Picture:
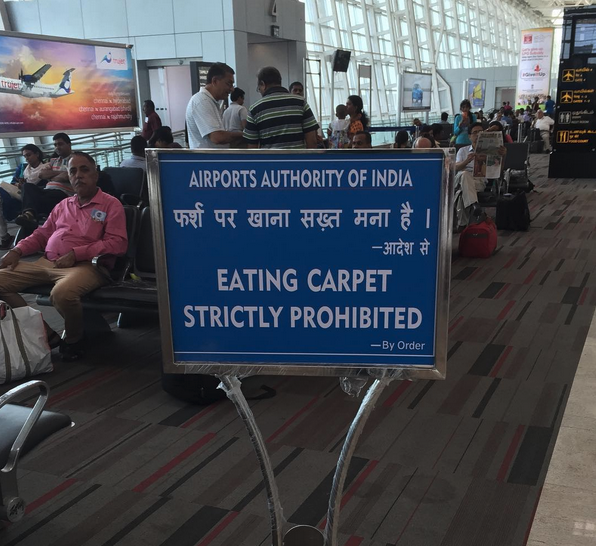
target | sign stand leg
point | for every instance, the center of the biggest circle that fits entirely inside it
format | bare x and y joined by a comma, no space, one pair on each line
343,463
232,387
304,535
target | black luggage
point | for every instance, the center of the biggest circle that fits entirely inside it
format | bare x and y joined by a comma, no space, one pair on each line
518,181
200,389
513,213
537,147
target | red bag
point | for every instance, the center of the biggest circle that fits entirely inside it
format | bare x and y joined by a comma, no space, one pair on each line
478,240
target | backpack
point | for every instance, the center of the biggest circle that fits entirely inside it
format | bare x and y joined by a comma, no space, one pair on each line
201,389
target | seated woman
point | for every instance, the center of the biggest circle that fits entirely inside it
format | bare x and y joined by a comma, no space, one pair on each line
402,140
26,173
498,126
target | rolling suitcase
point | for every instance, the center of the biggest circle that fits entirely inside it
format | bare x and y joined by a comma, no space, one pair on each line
513,213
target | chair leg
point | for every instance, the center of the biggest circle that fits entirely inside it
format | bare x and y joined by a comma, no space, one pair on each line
12,507
95,322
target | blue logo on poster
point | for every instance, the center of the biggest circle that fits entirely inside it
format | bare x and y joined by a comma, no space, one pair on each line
303,258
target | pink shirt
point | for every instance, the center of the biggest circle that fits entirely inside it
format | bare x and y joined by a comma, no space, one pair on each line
97,227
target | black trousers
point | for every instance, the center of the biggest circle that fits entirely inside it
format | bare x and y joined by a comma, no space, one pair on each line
39,200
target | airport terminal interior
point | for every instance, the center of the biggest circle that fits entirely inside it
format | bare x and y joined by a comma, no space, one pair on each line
464,131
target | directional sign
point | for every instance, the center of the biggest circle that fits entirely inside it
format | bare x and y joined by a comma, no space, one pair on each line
568,75
566,97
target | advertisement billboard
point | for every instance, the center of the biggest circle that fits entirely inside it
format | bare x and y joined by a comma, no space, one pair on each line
476,92
416,92
305,263
535,59
51,84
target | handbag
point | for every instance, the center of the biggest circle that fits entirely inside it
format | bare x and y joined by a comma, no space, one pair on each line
24,349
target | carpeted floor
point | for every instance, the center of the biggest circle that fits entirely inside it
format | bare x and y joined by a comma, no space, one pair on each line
452,463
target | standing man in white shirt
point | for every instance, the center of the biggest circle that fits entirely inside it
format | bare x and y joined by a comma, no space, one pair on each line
235,116
203,116
544,124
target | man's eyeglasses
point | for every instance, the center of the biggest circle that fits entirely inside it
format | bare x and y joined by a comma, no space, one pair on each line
476,132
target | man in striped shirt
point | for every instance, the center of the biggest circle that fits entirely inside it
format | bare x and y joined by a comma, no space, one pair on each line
279,120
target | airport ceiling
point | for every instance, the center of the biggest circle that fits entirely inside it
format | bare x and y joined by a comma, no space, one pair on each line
553,9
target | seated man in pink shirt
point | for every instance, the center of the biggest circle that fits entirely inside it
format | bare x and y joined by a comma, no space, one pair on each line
79,228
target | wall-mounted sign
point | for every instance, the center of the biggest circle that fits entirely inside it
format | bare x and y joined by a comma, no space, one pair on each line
56,84
535,58
306,263
416,92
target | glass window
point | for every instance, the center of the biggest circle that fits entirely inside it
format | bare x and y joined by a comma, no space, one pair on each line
466,33
422,34
404,28
329,36
418,12
443,61
355,12
386,47
435,17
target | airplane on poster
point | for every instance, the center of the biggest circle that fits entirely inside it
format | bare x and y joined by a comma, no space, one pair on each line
30,85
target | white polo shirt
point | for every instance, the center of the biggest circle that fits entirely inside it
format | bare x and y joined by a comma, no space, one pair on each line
203,117
234,116
544,124
462,155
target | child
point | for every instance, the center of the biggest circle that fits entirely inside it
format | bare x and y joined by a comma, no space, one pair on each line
338,129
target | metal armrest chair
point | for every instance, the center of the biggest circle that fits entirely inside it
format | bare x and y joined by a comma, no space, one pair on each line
21,429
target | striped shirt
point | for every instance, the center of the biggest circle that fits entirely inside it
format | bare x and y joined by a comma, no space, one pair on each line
279,120
60,164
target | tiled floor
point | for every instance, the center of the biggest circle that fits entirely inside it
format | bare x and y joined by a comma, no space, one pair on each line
566,514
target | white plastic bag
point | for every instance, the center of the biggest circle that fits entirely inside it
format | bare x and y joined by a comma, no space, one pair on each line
24,349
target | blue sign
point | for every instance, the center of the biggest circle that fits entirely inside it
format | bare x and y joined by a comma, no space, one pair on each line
327,259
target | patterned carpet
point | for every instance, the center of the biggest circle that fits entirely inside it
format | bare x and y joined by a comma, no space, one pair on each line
452,463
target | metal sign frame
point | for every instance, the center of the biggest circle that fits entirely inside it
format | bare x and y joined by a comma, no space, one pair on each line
307,369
